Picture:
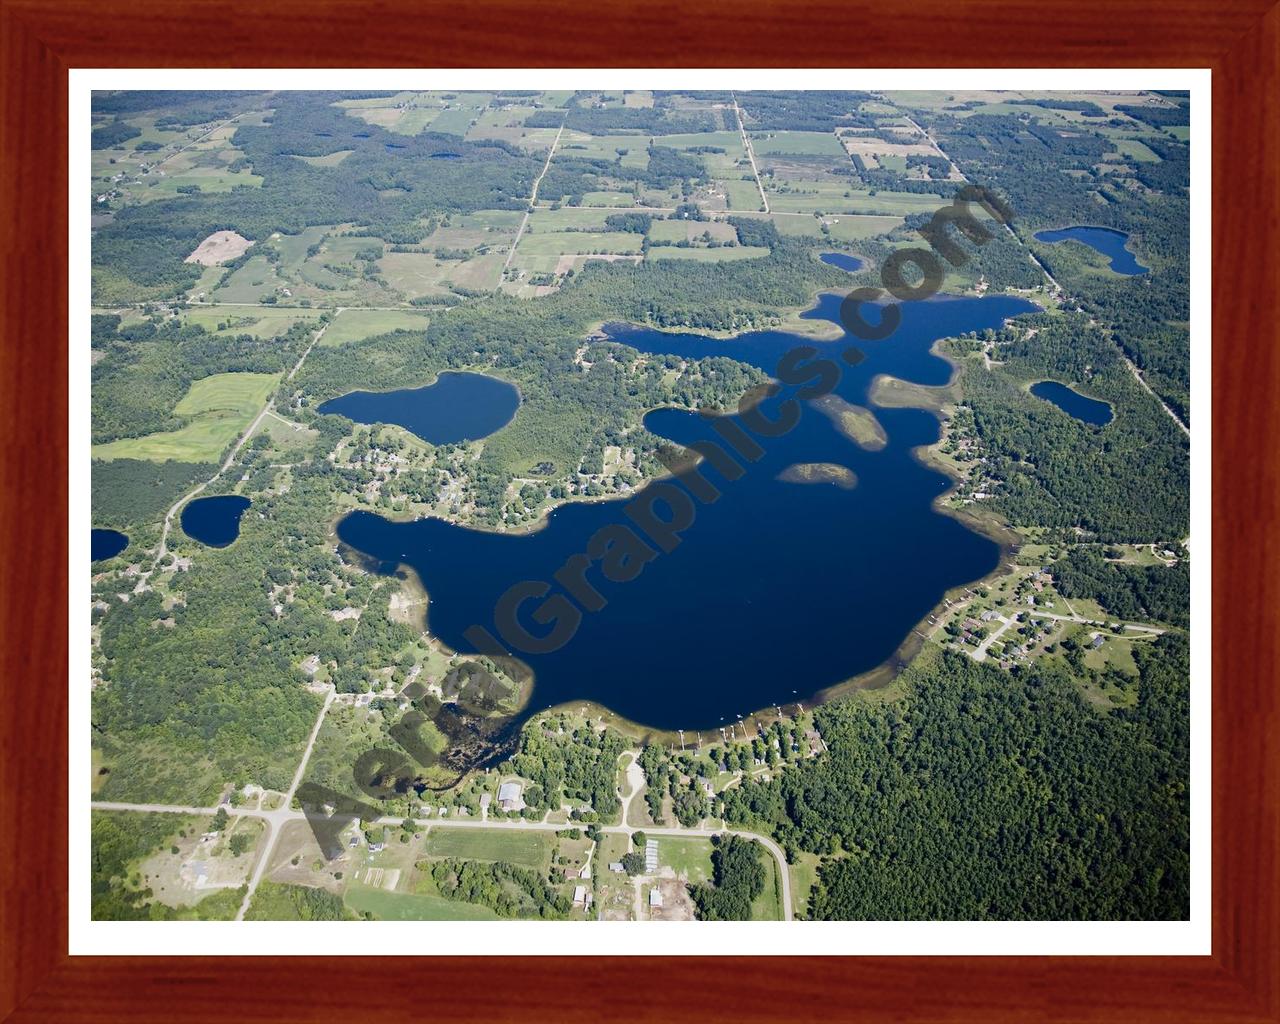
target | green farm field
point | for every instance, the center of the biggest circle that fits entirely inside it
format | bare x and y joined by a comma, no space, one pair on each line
263,322
798,144
218,409
357,324
555,243
666,231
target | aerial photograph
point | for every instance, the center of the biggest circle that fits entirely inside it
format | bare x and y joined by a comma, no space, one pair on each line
639,506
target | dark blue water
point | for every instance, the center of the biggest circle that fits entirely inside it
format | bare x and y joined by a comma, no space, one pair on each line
1073,403
445,156
774,592
1104,240
457,407
214,521
107,544
842,260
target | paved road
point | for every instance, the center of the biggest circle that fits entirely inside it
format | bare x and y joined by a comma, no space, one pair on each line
981,653
277,818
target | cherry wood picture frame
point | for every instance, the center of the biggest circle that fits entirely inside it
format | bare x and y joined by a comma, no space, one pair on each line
41,39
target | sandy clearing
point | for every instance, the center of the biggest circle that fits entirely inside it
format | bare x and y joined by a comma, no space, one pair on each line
218,248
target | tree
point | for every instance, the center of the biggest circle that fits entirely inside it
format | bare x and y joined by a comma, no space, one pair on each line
239,843
633,863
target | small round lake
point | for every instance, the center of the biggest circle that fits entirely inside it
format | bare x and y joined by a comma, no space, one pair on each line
1090,410
842,260
107,544
457,407
1108,242
214,521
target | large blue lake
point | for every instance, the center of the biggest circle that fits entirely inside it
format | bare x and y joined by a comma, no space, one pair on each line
777,590
1106,241
457,407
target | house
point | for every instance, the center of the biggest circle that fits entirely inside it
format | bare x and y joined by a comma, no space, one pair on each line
616,867
579,895
585,872
1097,640
655,898
509,796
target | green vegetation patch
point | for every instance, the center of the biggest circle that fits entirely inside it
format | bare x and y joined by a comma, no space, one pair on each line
219,409
797,144
358,324
273,901
410,906
718,255
526,847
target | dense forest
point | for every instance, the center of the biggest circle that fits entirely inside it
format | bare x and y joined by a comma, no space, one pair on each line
507,890
129,491
1156,593
986,795
1055,470
1054,179
738,877
578,766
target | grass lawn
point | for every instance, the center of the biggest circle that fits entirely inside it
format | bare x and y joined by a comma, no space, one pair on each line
608,199
768,905
797,143
409,906
830,198
525,847
662,231
690,858
804,876
1135,150
264,322
219,408
731,252
554,243
853,228
544,219
356,324
742,195
328,160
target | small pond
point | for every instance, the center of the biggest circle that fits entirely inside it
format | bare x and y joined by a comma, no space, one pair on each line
107,544
214,521
842,260
1090,410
